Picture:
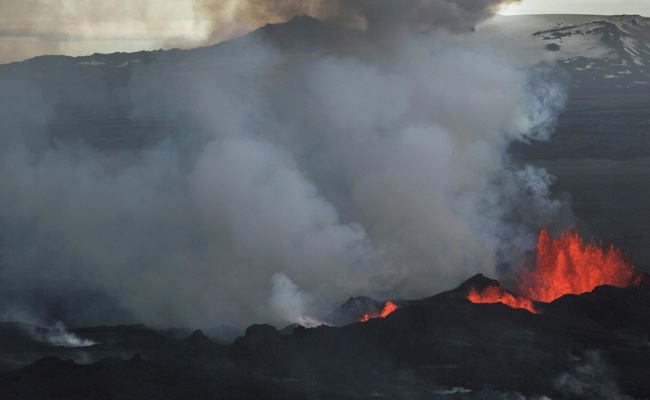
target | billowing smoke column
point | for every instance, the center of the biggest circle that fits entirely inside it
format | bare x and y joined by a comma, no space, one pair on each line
285,180
378,17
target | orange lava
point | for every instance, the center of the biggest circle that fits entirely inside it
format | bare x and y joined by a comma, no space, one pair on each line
389,307
565,265
497,294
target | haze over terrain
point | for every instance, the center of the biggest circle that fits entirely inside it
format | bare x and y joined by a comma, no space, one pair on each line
268,178
77,28
383,149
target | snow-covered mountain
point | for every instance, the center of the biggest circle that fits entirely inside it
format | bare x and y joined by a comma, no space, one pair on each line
601,53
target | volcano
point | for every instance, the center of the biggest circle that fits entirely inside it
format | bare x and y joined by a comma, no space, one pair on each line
578,346
563,265
144,119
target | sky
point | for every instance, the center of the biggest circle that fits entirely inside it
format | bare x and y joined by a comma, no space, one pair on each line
30,28
600,7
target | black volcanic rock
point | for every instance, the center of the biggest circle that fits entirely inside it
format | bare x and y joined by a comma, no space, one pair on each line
262,333
357,309
479,282
199,345
353,310
610,307
259,349
302,33
595,341
289,329
552,47
197,337
449,340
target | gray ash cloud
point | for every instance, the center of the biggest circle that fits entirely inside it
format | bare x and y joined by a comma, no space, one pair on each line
273,182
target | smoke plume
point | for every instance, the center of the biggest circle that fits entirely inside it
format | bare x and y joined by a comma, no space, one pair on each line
378,17
55,334
253,182
591,378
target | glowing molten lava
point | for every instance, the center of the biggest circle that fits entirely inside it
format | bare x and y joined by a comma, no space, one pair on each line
389,307
497,294
564,265
567,266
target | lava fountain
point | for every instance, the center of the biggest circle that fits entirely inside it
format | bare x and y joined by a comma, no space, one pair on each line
389,307
564,265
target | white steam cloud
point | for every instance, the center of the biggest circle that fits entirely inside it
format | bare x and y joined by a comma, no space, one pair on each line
55,334
591,379
281,181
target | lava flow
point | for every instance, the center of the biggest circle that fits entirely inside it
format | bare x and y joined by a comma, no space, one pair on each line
389,307
497,294
564,265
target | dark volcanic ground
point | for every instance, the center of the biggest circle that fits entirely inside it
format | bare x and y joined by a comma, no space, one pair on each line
592,346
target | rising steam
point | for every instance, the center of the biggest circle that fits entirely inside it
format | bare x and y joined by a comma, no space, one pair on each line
282,181
55,334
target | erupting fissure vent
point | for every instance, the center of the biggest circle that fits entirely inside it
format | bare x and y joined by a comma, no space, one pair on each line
389,307
564,265
497,294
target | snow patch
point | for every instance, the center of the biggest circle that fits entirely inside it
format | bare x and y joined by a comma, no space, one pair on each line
588,66
127,63
454,390
92,63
